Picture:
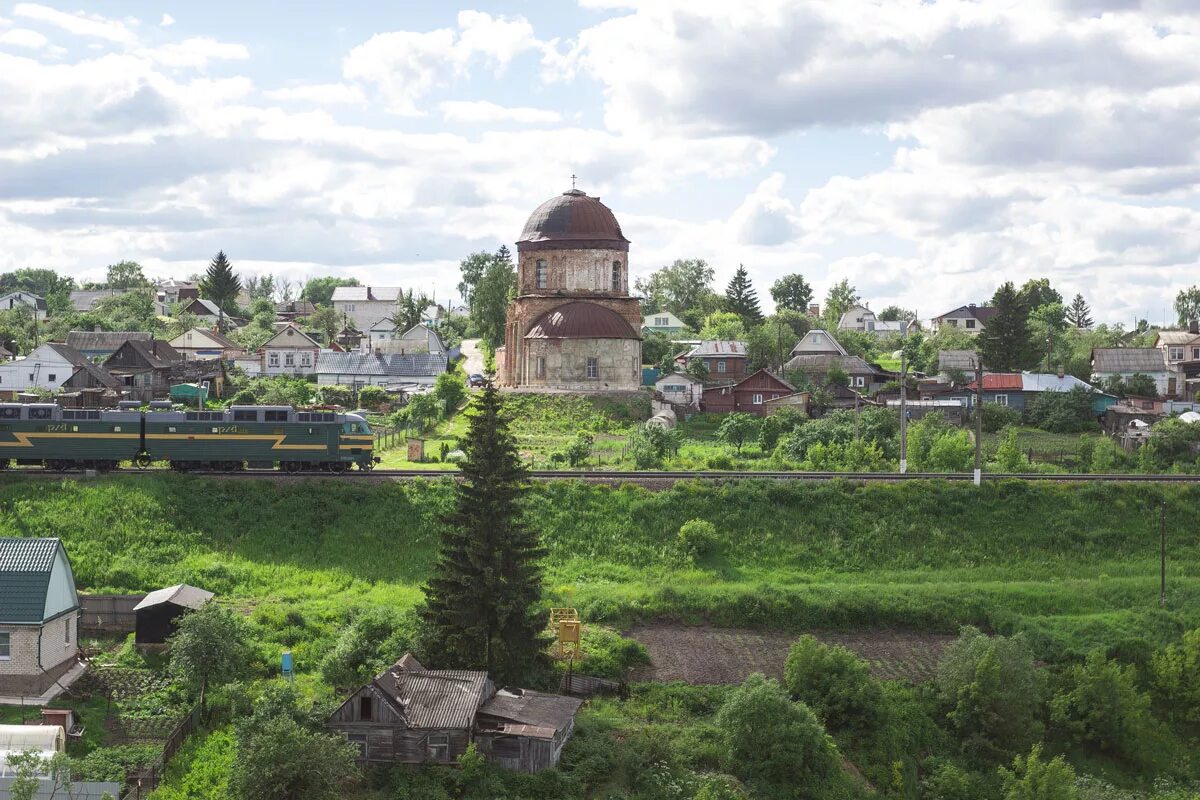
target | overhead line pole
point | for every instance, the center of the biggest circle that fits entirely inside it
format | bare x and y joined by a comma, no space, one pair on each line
903,413
978,418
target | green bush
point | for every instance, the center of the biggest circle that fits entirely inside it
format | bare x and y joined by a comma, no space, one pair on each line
997,417
991,692
450,391
1034,779
336,396
373,397
1099,705
651,445
1176,678
833,682
946,781
857,455
1062,412
373,640
1010,458
720,461
777,746
738,428
698,538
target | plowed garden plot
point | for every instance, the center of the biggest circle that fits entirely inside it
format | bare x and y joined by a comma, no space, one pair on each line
699,654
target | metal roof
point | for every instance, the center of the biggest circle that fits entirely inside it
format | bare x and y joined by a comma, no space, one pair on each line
68,353
383,294
718,347
981,313
86,299
179,595
1177,337
439,698
572,219
541,715
99,374
25,567
1128,359
1000,381
1049,382
581,320
390,364
823,362
103,340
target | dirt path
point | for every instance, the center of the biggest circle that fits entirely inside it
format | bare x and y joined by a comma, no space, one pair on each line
700,654
472,357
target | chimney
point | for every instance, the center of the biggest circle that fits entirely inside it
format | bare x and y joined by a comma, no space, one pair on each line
1194,326
1062,373
815,310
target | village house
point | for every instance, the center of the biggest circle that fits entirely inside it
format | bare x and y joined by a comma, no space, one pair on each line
170,292
1125,362
1018,390
48,366
39,615
144,366
205,343
862,319
420,338
85,300
21,299
680,389
102,344
725,360
663,322
748,395
412,715
818,353
290,351
379,369
970,318
365,306
1181,352
93,376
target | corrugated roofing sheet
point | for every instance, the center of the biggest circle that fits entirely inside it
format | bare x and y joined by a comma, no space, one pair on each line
27,555
180,595
1128,359
103,340
536,709
1000,381
385,294
446,698
1049,382
718,347
387,364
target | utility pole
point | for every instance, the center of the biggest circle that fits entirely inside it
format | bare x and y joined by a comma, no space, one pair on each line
903,413
978,417
1162,554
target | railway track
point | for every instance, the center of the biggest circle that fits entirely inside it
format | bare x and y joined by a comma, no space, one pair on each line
648,478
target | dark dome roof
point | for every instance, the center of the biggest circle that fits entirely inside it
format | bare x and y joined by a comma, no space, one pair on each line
572,220
581,320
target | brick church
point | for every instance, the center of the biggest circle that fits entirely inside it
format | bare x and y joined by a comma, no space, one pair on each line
573,324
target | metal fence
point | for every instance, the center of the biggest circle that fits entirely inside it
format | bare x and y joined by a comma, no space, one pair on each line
107,613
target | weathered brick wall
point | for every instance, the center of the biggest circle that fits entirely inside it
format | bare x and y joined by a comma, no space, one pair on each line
524,311
619,364
580,272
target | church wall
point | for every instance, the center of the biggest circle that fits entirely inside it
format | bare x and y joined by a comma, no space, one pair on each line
580,272
619,363
523,312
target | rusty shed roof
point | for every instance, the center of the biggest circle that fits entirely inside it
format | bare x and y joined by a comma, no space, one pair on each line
581,320
572,219
540,715
436,698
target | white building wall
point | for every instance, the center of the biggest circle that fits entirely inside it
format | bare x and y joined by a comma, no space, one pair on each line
43,368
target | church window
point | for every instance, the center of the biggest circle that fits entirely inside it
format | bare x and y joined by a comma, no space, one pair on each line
539,272
540,369
593,367
616,276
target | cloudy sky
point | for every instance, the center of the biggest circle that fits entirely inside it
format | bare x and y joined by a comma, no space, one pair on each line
924,150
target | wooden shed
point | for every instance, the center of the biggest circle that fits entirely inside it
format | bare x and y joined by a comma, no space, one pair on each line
157,615
524,730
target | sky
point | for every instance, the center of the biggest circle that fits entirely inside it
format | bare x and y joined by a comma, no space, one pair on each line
926,151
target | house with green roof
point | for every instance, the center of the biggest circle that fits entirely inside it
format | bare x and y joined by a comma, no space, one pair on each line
39,615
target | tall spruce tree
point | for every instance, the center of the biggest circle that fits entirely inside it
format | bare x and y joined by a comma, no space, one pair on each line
220,284
1005,343
741,299
1079,313
483,602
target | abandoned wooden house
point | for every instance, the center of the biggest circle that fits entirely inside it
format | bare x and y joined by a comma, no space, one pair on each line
412,715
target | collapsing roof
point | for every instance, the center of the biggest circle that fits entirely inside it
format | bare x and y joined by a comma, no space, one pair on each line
433,698
523,712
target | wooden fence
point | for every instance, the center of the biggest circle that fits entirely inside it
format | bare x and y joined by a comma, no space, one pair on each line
587,686
102,614
387,437
147,779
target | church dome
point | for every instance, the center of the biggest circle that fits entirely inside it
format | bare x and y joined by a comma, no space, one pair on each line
581,321
572,220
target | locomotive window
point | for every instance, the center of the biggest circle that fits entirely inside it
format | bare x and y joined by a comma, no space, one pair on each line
39,413
116,428
245,416
10,413
171,429
275,416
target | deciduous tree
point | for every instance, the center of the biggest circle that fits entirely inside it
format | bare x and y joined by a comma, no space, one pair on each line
319,291
838,300
483,600
737,428
126,275
678,287
792,292
210,647
1187,304
489,299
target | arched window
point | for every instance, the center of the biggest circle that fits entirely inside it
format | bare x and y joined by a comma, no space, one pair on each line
616,276
540,274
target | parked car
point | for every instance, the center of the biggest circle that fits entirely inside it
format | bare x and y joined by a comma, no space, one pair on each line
475,380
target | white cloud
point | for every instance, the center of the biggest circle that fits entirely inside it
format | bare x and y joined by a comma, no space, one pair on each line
80,24
404,66
23,37
197,51
167,21
319,94
485,111
765,217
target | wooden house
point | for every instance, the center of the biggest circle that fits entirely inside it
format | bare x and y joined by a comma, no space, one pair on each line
725,360
102,344
144,367
412,715
748,395
39,615
157,614
205,343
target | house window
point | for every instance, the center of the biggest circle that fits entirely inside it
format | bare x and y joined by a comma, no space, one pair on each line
306,359
289,359
67,632
365,711
350,307
5,646
1173,354
540,368
860,381
1196,353
359,740
616,276
756,399
953,323
1001,400
593,367
539,274
970,323
438,747
661,322
673,388
721,365
31,377
272,359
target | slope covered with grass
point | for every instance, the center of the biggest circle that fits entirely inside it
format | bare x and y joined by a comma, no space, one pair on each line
1074,565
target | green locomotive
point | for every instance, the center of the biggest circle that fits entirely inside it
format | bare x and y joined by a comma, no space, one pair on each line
258,437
